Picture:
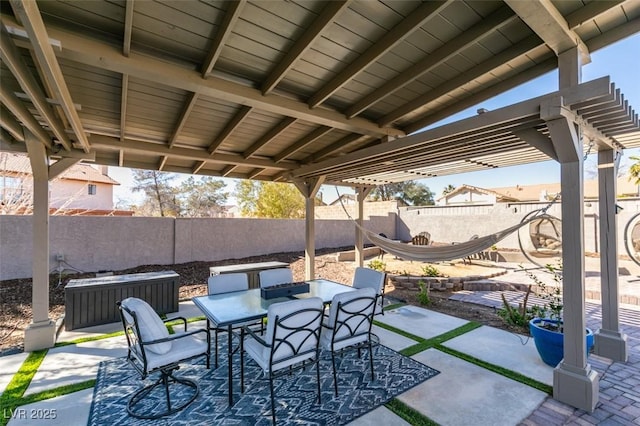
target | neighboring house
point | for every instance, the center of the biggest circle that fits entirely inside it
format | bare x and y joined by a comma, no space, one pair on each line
467,194
81,189
346,199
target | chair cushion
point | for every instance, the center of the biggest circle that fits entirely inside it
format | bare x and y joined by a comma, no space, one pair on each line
150,325
355,325
271,277
261,354
184,348
227,283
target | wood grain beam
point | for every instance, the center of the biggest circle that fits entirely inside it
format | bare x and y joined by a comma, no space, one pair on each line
548,23
29,14
326,17
13,61
306,140
11,125
269,136
406,26
499,18
128,27
130,145
104,56
233,124
490,64
230,18
17,108
184,116
124,93
590,11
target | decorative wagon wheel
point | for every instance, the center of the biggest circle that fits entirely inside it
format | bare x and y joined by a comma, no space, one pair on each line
541,240
632,238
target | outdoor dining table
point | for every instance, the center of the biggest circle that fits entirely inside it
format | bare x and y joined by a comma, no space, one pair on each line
229,309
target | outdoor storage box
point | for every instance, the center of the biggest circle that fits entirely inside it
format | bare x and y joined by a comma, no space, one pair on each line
92,301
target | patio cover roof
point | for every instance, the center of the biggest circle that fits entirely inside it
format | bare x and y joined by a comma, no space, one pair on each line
285,90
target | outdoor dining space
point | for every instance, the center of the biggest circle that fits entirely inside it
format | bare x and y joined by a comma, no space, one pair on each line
426,366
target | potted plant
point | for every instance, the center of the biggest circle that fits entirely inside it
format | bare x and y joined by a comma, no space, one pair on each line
545,322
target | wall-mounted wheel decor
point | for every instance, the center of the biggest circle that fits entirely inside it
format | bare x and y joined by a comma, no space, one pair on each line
632,238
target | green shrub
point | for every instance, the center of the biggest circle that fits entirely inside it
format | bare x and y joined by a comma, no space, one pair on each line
430,271
377,264
423,294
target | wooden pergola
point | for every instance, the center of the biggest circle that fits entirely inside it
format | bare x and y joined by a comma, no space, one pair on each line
314,92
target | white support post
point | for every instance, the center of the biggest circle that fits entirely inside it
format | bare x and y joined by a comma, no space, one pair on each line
309,188
574,382
609,341
41,333
361,195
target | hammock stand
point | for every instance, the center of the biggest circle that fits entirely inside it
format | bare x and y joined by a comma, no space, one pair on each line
447,252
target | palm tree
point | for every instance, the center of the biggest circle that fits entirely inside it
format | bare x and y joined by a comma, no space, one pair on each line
634,170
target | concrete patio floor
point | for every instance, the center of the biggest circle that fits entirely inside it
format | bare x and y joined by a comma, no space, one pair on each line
467,392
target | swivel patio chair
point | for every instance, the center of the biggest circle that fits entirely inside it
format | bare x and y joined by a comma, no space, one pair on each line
271,277
370,278
348,326
226,283
291,339
152,349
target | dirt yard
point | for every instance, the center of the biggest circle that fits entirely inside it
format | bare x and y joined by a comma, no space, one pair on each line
15,295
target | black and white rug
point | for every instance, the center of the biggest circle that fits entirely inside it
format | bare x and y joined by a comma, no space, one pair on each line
295,395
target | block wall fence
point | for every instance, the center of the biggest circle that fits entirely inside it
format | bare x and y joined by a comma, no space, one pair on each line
96,243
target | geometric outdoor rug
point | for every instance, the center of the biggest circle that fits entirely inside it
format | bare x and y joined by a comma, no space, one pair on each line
295,395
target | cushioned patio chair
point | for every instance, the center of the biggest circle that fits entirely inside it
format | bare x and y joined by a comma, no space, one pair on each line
226,283
291,340
152,349
370,278
348,326
422,239
271,277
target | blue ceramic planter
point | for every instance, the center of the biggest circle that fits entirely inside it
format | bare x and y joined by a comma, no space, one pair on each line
550,343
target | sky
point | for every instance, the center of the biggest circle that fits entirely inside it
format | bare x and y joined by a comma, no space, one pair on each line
621,61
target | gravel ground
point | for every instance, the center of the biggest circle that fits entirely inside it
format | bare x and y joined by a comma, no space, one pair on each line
15,295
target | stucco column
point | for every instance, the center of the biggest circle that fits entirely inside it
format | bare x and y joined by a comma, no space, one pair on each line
361,195
574,382
309,189
609,341
41,333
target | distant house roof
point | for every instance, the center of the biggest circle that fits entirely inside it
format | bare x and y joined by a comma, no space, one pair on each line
500,197
533,192
345,198
18,163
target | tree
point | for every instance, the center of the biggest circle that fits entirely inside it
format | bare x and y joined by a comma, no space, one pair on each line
204,198
161,197
634,170
448,190
410,192
269,200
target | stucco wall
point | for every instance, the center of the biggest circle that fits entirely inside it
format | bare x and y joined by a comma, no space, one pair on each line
94,243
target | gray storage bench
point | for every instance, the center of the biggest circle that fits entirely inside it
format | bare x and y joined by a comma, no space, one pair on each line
251,269
92,301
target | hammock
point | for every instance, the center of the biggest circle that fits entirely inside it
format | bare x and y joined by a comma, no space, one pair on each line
440,253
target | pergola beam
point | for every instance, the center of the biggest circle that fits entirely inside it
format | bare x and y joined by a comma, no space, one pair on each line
435,58
102,55
184,116
13,61
233,124
304,43
131,145
303,142
398,33
17,108
549,24
228,22
269,136
29,14
516,51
